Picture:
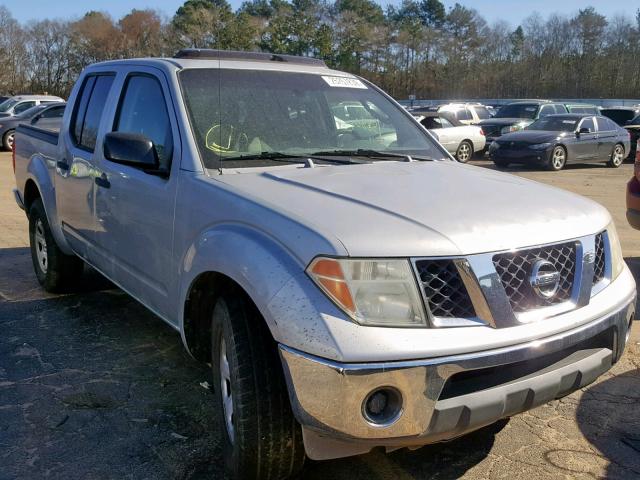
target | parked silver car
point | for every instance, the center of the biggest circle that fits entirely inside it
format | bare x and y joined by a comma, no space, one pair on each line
351,285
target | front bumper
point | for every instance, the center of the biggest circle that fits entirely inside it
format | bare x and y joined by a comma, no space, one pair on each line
445,397
18,198
521,156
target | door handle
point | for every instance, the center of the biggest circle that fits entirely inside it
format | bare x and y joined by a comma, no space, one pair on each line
62,165
103,181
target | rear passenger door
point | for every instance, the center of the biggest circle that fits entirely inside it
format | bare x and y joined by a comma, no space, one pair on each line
586,146
135,209
607,137
75,169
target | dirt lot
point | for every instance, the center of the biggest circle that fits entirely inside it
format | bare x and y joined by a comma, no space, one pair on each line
93,386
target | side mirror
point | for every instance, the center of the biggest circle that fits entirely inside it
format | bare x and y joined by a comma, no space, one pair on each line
583,130
131,149
35,119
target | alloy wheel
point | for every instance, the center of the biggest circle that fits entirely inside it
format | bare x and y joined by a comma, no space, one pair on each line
618,155
41,246
464,152
10,138
558,158
225,390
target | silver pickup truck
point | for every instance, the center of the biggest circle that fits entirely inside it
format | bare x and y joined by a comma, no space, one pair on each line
351,285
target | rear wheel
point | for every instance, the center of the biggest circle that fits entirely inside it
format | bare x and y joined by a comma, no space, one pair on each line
55,270
558,159
260,436
617,156
7,140
464,151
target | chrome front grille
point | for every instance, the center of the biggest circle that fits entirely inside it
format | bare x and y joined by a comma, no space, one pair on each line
444,289
514,269
600,262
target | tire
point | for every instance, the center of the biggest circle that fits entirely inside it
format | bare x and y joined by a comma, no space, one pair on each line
557,160
260,436
464,153
56,271
501,163
7,140
617,156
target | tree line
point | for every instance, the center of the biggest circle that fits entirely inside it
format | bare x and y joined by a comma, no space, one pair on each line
418,47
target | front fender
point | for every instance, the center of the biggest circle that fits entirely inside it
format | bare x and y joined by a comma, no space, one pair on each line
40,170
261,265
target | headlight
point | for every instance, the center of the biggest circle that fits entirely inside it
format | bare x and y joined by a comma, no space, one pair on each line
617,262
510,128
494,145
371,292
540,146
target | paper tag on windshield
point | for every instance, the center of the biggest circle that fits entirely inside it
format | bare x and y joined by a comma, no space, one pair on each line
344,82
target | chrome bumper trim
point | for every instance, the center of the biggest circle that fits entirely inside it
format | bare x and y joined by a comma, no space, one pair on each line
327,396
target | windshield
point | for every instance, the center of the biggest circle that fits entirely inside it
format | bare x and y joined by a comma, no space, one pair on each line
249,113
554,124
7,104
518,110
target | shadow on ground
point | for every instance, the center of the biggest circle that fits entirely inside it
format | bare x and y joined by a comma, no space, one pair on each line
609,417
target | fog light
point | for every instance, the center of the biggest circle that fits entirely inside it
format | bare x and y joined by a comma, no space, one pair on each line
382,407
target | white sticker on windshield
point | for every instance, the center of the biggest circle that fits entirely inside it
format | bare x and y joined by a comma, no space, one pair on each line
344,82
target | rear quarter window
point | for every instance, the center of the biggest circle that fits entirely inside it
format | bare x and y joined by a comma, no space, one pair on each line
88,110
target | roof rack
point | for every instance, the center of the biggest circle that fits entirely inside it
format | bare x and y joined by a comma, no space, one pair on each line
211,54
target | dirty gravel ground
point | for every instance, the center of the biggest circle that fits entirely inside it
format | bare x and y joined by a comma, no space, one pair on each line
93,386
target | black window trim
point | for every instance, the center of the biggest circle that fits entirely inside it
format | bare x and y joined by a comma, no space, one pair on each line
123,92
76,106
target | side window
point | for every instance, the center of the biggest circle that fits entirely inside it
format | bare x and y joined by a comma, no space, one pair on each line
88,110
143,110
53,112
547,110
21,107
444,123
587,123
560,108
463,114
603,124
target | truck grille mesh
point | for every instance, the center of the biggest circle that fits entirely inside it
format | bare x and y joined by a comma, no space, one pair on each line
445,292
598,266
514,269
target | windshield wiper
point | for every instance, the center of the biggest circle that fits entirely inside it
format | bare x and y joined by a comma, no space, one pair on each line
368,153
287,157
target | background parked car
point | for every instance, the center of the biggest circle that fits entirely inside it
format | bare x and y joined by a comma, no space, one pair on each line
633,127
517,115
554,140
459,139
47,116
21,103
584,108
467,113
633,193
621,115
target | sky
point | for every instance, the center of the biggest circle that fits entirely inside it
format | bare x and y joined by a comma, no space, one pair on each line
513,11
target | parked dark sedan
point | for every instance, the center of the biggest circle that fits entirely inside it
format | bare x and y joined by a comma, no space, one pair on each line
47,116
554,140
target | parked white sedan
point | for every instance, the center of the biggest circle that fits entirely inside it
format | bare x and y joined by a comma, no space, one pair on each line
461,140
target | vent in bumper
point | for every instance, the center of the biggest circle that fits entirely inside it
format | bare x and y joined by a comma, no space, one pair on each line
514,270
444,289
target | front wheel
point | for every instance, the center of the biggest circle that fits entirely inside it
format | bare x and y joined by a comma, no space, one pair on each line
464,151
56,271
617,156
7,140
260,436
558,159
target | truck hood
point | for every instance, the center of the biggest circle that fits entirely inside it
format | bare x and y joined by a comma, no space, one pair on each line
389,209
